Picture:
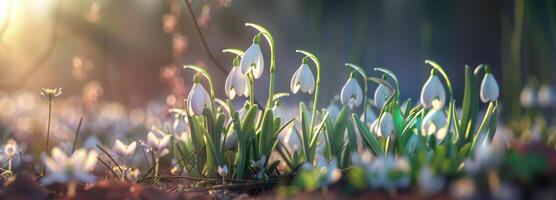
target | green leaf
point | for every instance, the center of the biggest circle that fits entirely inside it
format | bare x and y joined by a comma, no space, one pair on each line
369,138
237,52
470,107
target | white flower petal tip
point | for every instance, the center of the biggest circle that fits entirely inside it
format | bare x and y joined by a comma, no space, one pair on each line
124,151
223,170
198,99
489,89
252,60
547,96
435,123
433,93
352,94
236,83
528,97
303,79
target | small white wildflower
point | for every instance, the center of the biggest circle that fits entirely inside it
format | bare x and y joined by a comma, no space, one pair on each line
198,99
351,93
434,123
433,93
124,151
382,94
158,144
77,167
51,93
236,83
489,88
303,79
386,125
547,97
223,170
428,182
253,60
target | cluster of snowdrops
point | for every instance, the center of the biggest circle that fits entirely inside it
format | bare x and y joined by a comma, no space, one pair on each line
381,143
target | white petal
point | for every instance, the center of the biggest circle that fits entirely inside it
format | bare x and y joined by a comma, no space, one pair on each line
90,161
351,94
306,79
382,93
131,148
197,99
152,140
58,155
489,88
164,142
239,82
386,124
294,83
433,94
228,87
252,56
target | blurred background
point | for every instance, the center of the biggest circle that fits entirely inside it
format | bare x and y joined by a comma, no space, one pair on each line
131,51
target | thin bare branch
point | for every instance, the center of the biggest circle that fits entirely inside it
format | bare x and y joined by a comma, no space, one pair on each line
220,67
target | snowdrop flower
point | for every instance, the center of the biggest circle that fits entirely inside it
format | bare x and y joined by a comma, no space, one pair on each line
303,79
486,156
62,168
198,99
223,170
433,93
253,59
386,125
489,88
124,151
546,96
351,94
412,143
382,94
236,83
429,183
158,144
434,123
528,96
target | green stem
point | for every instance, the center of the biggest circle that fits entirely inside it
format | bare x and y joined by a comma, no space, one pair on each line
251,88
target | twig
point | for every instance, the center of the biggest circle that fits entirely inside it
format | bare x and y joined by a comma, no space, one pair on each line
41,59
203,41
107,166
76,135
8,14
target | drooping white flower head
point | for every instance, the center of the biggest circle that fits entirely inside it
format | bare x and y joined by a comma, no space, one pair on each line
489,88
198,99
351,94
433,93
236,83
547,97
379,170
528,97
159,144
386,125
223,170
434,123
77,167
303,79
382,94
124,151
10,149
253,60
334,110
